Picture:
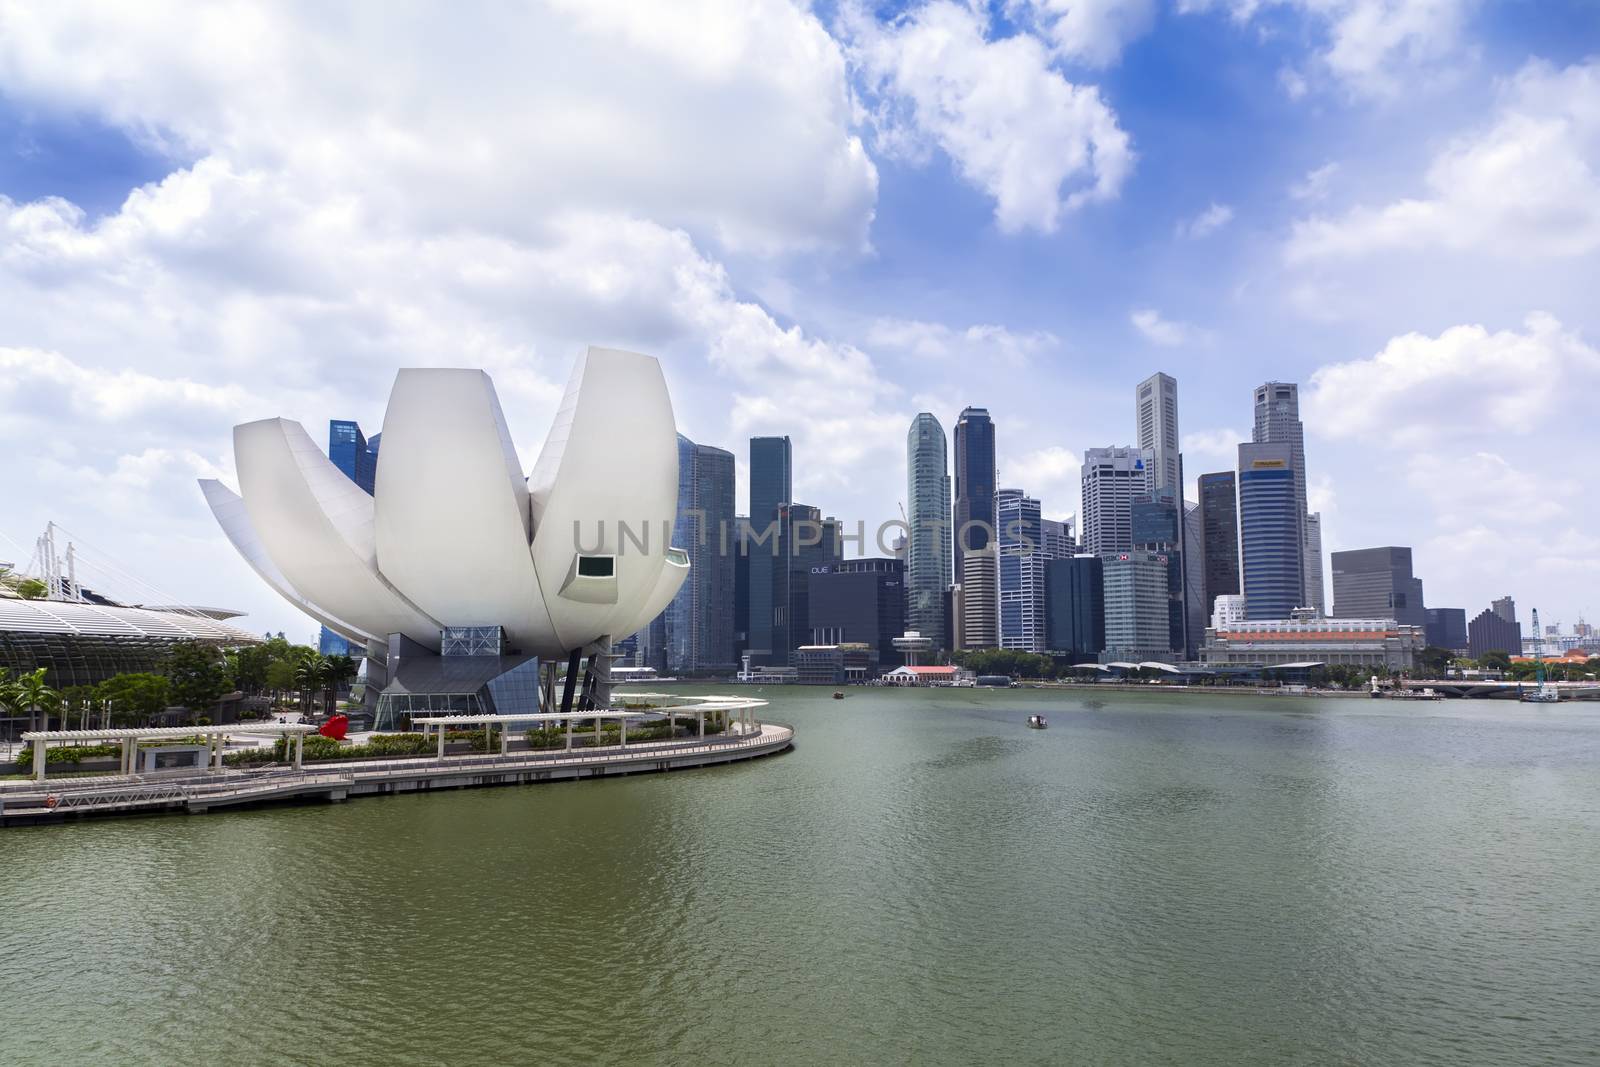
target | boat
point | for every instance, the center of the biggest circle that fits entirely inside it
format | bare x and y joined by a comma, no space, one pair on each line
1544,694
838,694
1037,722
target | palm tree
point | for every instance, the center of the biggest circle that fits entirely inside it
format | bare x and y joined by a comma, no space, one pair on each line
33,694
341,671
310,675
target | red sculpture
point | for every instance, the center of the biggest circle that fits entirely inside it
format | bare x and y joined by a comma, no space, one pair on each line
336,727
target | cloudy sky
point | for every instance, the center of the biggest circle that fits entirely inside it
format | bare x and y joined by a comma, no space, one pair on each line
823,219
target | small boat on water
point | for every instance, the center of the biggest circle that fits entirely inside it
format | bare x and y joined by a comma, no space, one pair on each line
838,694
1037,722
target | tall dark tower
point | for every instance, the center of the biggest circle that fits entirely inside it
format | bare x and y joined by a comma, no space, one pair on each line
974,481
771,488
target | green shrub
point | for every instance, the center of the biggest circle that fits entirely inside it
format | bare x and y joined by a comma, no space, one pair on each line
73,754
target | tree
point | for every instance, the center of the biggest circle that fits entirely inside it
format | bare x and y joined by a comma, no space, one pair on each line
1494,661
30,693
250,665
133,699
280,677
341,671
311,675
32,589
196,675
1433,661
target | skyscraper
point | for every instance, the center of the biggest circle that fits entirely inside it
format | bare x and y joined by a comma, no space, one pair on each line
352,453
806,542
1058,542
1197,609
357,457
1158,528
1156,417
1219,518
1269,531
1075,608
1447,628
929,571
1277,421
860,600
700,620
975,563
974,501
1021,570
1494,631
1111,478
771,487
1138,626
1377,583
1315,594
1505,607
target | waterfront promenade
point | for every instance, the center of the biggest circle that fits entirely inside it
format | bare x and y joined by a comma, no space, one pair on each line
198,792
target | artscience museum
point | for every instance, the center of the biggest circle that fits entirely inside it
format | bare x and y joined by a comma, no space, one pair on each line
465,577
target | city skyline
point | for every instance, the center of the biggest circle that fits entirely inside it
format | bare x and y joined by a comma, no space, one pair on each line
1228,194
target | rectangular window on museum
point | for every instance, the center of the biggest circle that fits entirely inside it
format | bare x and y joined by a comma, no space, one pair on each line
596,566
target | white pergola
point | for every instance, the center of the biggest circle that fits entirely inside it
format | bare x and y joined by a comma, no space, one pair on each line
129,737
441,724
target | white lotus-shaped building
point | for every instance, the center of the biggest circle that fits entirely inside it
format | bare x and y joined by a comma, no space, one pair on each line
454,533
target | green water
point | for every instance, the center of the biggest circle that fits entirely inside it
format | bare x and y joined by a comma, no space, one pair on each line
1154,879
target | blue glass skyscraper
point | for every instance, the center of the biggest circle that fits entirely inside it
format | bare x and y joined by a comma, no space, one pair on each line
771,488
1269,531
699,622
357,457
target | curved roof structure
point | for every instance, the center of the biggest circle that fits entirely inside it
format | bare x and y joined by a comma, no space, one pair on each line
453,534
61,617
83,644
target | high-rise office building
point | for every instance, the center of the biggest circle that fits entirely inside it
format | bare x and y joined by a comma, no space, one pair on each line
1156,417
1158,528
352,453
1505,607
1138,623
980,599
1112,478
1447,628
1219,518
1277,421
1377,583
1492,631
741,588
699,621
929,571
1058,542
807,542
771,488
1269,531
1316,595
357,457
974,499
1075,608
1197,609
1021,570
860,601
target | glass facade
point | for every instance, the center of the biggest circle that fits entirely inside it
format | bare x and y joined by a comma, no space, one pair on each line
771,487
1219,517
472,641
859,601
1075,611
352,453
1269,531
929,570
1021,571
974,500
1138,620
699,626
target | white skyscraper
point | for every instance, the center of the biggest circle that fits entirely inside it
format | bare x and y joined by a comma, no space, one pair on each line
928,568
1156,417
1111,478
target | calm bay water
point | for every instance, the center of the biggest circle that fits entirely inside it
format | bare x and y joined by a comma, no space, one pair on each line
1154,879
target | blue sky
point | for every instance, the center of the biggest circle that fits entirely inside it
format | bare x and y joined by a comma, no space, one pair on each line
823,220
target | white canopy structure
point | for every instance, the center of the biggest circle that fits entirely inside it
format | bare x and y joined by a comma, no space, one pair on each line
454,535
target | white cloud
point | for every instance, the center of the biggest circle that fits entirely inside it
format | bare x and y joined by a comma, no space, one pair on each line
1372,48
1165,332
345,201
1527,185
1014,128
1209,221
1091,32
1314,186
937,341
1459,385
1050,475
